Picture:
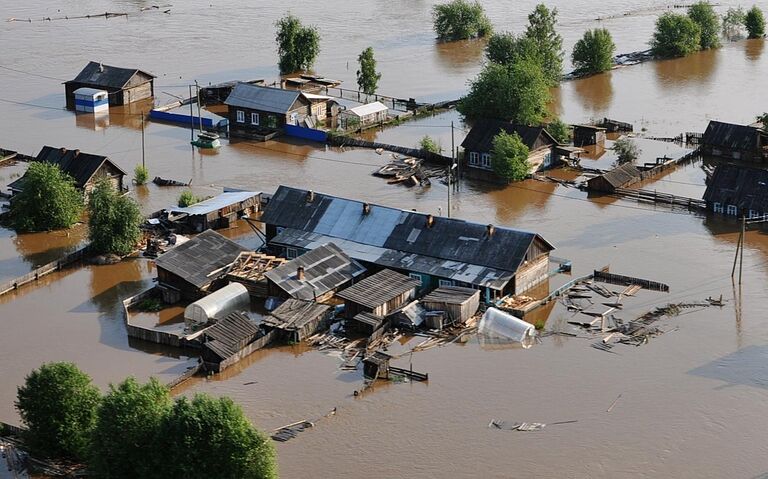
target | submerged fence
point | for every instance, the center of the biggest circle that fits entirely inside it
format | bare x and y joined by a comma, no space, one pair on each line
44,270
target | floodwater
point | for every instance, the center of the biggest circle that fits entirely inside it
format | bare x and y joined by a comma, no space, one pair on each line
692,401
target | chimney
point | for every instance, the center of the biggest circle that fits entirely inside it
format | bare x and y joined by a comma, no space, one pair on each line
101,67
77,153
310,196
63,151
300,273
490,229
430,221
366,208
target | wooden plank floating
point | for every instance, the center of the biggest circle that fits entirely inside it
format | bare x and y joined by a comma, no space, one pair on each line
621,280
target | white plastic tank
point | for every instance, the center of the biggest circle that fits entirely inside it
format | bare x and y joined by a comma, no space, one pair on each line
230,298
500,326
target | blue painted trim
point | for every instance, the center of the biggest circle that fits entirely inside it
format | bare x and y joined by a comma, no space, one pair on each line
306,133
91,102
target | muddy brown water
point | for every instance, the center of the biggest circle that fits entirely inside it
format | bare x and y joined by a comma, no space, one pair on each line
692,400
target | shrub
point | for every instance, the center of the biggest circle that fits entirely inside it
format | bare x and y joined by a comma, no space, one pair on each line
593,53
509,157
140,174
430,145
48,201
626,150
705,17
187,198
460,20
113,220
559,131
675,36
297,45
754,22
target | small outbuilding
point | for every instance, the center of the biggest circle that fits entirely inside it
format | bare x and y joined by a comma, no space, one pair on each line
587,135
230,340
376,366
735,142
297,319
458,304
379,294
366,323
230,298
91,100
217,212
363,115
620,177
123,85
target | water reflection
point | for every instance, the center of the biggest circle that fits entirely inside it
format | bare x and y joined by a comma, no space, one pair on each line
459,54
595,93
92,121
698,68
753,49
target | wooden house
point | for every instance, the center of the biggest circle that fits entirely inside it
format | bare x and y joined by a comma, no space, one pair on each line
434,251
458,304
588,135
192,269
217,212
258,111
620,177
379,294
296,320
86,169
735,142
478,146
738,191
314,276
363,115
249,269
230,340
124,85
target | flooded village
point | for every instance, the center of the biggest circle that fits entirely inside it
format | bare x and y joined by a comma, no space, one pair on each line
379,305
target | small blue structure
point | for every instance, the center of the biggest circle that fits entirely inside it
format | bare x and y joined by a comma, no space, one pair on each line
91,100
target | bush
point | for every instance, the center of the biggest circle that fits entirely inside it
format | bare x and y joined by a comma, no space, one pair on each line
150,305
140,174
507,49
733,22
675,36
113,221
57,404
593,53
460,20
187,198
626,150
754,22
48,201
367,76
297,45
517,93
560,131
430,145
705,17
509,157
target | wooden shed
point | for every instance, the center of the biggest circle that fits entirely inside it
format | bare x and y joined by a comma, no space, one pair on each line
735,142
619,177
586,135
297,319
379,294
230,340
366,323
217,212
124,85
458,304
376,366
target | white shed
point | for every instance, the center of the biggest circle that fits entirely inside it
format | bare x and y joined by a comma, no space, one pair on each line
366,114
91,100
230,298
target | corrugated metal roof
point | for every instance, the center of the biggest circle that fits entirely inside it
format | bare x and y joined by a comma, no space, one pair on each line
216,203
367,109
325,269
273,100
107,76
198,259
480,137
745,188
728,135
376,290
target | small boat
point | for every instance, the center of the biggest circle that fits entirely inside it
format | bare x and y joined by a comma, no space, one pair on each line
207,139
163,182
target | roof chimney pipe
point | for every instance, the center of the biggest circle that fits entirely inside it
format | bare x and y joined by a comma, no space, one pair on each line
430,221
490,229
77,153
63,150
101,67
300,273
310,196
366,208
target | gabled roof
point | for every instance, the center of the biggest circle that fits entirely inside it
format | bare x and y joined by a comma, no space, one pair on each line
294,314
325,269
254,97
399,232
367,109
107,76
729,135
198,260
480,137
622,175
746,188
230,334
80,166
376,290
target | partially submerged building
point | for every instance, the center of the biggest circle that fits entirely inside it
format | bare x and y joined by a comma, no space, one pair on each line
620,177
588,135
379,294
364,115
217,212
194,268
735,142
124,85
84,168
434,251
315,275
458,304
738,191
230,340
296,320
478,146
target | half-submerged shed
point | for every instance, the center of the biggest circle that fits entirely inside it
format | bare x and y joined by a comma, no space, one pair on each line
217,212
232,297
459,304
586,135
124,85
230,340
249,269
315,275
376,366
297,319
736,142
619,177
379,294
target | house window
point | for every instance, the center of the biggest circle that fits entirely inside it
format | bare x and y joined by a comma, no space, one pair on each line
732,210
474,158
416,276
255,119
718,207
445,282
485,160
240,116
754,214
291,253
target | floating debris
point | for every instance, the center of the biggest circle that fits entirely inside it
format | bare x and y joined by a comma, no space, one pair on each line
408,171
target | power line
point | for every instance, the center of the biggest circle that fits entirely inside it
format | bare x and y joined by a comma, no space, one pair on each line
30,73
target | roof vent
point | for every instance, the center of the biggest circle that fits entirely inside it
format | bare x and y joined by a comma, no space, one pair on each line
63,150
101,67
310,196
366,208
300,273
490,229
77,153
430,221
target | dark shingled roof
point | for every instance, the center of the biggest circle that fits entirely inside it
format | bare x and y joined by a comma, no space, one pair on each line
728,135
746,188
107,76
273,100
622,175
294,314
480,137
376,290
449,239
80,166
230,335
196,260
325,269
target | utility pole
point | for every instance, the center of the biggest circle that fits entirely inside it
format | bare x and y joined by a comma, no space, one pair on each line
191,116
199,114
143,163
453,153
743,237
449,189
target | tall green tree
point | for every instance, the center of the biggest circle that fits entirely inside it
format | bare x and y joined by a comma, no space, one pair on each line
675,36
58,404
207,437
113,221
297,45
549,44
509,157
593,53
517,93
48,201
126,440
367,76
705,17
754,22
460,20
506,49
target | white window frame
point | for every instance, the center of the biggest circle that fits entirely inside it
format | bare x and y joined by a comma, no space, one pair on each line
240,116
717,207
474,158
485,160
732,210
446,282
255,119
417,277
291,253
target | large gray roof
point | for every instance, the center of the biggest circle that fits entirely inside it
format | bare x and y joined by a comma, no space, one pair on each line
254,97
108,76
401,233
729,135
745,188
